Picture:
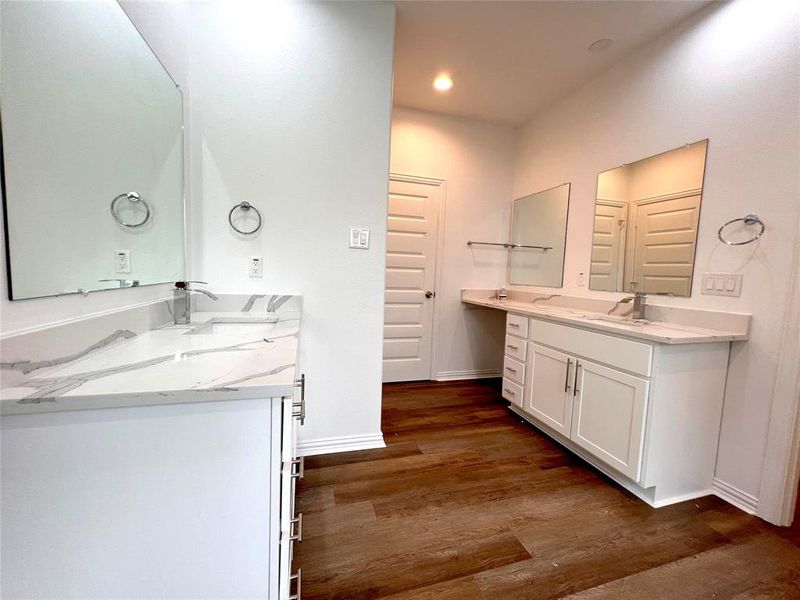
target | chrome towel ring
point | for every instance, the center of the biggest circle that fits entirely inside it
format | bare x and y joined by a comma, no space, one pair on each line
245,206
135,198
749,219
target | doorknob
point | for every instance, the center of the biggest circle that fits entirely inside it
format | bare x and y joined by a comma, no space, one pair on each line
429,294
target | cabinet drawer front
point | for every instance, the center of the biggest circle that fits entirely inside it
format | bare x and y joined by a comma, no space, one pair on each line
512,392
515,348
514,370
609,416
621,353
517,325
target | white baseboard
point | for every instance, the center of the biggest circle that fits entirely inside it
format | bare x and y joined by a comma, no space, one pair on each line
735,496
472,374
340,444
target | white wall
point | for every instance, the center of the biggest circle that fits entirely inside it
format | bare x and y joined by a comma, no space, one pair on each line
164,27
476,161
291,111
729,74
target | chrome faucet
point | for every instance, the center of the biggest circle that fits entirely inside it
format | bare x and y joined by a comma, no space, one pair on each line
639,300
182,301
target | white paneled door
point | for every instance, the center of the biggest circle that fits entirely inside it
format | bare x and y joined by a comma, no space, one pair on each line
412,224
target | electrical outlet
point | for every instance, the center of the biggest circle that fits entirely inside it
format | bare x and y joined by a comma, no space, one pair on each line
256,266
122,261
580,279
359,238
722,284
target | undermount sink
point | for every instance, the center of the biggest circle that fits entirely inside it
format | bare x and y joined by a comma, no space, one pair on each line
618,320
234,325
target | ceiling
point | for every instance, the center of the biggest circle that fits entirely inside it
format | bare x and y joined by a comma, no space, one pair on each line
511,59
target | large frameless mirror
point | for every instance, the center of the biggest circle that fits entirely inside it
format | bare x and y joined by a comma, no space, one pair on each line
645,223
92,151
538,238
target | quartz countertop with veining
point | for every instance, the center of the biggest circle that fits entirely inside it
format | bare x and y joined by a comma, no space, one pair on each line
167,365
652,331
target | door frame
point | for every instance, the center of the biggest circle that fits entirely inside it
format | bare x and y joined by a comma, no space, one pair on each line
437,261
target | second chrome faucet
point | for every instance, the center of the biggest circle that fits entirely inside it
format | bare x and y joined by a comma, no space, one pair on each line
182,300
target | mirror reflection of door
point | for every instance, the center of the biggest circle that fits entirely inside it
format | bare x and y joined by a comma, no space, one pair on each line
664,244
646,221
608,256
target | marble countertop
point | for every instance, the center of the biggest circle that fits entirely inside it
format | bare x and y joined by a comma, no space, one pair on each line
168,365
652,331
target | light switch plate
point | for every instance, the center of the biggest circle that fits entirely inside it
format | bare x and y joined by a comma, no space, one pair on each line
359,238
255,266
722,284
122,261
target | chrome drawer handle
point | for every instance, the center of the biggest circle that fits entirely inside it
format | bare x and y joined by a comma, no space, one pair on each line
514,325
300,463
508,391
298,577
299,407
510,370
296,535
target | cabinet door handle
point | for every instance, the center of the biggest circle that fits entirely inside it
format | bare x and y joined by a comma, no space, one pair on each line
575,389
300,407
296,535
298,577
566,378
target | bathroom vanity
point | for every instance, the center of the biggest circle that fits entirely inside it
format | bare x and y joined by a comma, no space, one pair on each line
143,459
641,401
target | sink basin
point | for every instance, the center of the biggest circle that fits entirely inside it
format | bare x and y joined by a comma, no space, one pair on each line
234,325
618,320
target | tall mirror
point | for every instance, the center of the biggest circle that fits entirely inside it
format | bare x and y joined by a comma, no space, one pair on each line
92,151
538,238
645,223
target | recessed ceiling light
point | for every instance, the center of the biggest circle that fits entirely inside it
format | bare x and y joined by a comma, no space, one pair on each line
443,82
600,45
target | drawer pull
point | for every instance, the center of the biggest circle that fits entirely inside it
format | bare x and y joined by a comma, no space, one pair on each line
298,577
512,347
566,379
514,325
299,407
300,463
510,392
296,528
510,370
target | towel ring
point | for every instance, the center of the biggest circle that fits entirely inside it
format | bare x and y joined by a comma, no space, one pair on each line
245,206
749,219
135,198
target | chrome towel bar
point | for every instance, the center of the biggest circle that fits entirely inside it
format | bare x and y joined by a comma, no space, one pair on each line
508,246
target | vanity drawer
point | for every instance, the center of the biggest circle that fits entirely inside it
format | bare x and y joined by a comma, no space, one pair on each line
512,392
514,370
618,352
515,348
517,325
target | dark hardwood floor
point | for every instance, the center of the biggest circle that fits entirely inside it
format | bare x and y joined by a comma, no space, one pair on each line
467,502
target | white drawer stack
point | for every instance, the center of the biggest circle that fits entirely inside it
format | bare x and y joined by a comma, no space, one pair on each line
514,361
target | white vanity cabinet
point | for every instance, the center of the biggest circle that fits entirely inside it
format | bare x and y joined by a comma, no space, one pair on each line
646,414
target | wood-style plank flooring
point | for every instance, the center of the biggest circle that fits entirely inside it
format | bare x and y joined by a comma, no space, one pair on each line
467,502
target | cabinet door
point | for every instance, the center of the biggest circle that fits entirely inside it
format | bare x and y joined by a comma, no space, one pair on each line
610,409
548,394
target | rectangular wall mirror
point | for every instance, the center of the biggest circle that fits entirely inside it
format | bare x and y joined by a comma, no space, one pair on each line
92,152
645,223
539,234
